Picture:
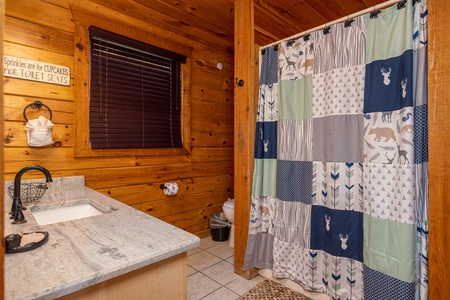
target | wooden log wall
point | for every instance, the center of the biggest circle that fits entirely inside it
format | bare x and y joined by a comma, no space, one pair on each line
43,30
2,249
439,160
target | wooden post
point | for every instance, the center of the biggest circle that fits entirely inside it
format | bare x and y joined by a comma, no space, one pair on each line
439,144
244,126
2,250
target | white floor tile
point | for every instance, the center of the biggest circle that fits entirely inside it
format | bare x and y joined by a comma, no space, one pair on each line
241,285
202,260
207,242
211,273
200,285
221,272
222,251
230,260
191,271
222,294
193,251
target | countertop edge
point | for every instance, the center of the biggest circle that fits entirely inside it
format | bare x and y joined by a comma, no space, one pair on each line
107,233
99,278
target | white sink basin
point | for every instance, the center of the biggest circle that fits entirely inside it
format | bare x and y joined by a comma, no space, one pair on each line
45,215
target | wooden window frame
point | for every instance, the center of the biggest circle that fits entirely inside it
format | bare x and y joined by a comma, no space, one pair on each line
83,19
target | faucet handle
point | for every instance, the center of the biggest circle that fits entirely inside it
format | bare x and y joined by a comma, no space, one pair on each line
19,218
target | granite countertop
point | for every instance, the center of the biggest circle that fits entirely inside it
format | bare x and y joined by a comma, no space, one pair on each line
87,251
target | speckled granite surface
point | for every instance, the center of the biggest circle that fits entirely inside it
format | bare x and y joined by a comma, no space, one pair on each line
84,252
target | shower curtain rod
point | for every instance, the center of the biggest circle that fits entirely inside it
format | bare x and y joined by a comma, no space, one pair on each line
343,19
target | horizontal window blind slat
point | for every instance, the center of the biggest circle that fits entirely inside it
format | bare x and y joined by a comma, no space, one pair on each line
135,94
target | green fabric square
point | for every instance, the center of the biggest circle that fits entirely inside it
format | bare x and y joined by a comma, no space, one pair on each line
388,247
264,178
385,35
295,99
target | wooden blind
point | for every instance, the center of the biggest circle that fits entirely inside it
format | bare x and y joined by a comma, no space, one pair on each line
135,94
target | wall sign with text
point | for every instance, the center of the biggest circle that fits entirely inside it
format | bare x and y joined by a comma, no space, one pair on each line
35,70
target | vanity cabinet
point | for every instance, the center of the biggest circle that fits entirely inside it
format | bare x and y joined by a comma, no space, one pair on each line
121,254
166,279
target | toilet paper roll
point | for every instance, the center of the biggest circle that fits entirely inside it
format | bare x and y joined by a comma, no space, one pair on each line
170,189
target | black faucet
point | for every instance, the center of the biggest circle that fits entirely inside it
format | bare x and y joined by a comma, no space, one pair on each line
16,209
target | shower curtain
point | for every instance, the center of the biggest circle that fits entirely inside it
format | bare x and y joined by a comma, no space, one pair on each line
339,196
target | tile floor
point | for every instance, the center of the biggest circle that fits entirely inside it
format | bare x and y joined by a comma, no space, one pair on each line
211,273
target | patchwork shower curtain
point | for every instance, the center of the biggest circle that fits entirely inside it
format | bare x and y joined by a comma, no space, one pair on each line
339,198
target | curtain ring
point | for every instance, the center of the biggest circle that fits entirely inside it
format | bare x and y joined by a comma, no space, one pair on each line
36,104
306,36
349,22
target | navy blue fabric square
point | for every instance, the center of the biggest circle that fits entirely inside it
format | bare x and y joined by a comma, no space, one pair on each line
389,84
294,181
420,134
269,66
381,286
266,140
338,232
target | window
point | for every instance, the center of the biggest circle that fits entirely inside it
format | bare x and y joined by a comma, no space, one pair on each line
135,94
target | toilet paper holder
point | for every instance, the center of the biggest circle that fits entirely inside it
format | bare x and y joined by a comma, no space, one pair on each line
169,189
36,105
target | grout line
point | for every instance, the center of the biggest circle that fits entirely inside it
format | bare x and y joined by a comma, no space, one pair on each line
205,250
237,295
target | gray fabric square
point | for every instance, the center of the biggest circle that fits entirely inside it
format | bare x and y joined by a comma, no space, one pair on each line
338,138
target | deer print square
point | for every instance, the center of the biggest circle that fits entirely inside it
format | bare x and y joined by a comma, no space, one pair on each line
266,140
295,59
389,137
338,232
388,84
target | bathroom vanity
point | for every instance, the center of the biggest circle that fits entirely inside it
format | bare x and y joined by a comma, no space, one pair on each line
118,253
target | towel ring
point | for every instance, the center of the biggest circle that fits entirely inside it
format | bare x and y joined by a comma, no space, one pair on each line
36,104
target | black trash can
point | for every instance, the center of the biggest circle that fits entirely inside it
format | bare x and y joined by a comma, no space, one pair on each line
220,227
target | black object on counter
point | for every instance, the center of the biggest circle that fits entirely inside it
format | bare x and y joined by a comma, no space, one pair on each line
13,241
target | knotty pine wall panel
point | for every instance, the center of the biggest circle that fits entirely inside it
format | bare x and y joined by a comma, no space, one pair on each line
44,31
55,16
39,36
439,160
175,205
143,193
13,107
62,159
212,154
193,220
211,139
16,136
220,111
